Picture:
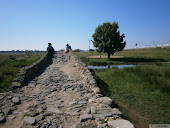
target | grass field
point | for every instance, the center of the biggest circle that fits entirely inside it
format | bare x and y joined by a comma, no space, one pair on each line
154,55
11,63
143,92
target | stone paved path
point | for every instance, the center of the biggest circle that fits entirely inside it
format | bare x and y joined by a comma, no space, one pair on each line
59,98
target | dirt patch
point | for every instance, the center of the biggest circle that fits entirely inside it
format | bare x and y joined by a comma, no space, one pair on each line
105,56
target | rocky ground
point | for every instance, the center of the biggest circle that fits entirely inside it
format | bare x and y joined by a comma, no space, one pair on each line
59,98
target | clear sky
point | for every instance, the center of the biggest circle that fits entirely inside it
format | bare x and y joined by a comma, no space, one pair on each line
31,24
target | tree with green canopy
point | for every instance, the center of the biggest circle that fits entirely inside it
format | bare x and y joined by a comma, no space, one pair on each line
107,38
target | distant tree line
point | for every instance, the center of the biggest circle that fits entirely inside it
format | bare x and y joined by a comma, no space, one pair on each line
77,50
22,51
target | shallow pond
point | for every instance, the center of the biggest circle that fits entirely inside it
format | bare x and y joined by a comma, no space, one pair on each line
111,66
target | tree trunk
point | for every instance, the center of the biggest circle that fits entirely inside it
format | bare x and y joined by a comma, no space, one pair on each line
108,55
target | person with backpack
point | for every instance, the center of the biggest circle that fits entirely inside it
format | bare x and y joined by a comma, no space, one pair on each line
50,49
68,47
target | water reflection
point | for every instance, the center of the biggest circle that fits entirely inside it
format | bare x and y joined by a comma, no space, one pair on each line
111,66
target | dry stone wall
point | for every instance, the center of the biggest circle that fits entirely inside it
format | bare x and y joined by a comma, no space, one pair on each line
64,95
87,76
27,73
111,117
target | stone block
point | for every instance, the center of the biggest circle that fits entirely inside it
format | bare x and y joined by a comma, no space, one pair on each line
85,117
96,90
105,100
102,115
120,124
93,109
16,100
2,118
87,111
29,120
54,110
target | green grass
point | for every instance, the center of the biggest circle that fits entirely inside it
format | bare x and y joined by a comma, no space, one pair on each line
89,126
152,55
11,63
141,92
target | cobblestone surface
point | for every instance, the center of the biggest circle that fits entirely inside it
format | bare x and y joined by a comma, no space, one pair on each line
65,95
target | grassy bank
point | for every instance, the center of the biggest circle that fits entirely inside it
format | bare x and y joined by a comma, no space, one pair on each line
152,55
11,63
143,92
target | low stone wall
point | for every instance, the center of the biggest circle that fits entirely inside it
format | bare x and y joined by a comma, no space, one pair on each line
87,103
86,74
29,72
113,116
88,78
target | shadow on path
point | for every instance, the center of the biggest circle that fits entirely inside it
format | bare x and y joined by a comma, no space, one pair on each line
41,70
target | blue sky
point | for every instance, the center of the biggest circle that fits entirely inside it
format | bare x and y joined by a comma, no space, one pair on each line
31,24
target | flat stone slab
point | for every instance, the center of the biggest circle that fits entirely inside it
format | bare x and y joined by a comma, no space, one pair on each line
87,111
113,111
85,117
11,117
73,113
29,120
16,100
92,99
7,111
120,124
96,90
16,84
73,102
93,109
54,110
102,115
105,100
